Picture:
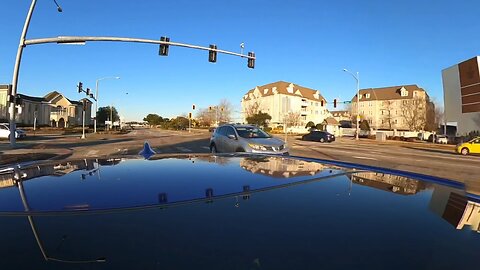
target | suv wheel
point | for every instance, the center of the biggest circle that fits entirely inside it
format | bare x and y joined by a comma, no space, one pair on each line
322,140
464,151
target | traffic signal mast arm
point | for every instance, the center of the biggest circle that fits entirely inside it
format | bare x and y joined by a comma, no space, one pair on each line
82,39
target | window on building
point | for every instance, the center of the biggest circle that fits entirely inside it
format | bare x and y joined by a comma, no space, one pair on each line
404,93
367,95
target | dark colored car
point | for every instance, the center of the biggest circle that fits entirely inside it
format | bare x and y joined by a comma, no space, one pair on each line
319,136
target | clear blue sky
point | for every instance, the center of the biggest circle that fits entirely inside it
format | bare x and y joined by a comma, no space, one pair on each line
304,42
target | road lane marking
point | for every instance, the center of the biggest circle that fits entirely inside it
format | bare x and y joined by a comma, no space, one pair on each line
369,158
206,147
92,152
183,149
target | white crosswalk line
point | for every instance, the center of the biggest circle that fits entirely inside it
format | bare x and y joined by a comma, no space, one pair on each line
369,158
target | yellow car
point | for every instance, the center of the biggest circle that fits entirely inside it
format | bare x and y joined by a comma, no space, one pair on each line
470,147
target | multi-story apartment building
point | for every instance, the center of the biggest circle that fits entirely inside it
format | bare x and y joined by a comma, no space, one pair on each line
406,107
54,109
284,99
461,95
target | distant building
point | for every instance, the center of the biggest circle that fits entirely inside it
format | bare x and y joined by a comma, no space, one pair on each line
279,99
461,95
344,118
54,109
341,115
404,107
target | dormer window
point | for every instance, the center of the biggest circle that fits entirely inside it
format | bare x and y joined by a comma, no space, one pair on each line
360,96
265,91
290,88
367,95
403,92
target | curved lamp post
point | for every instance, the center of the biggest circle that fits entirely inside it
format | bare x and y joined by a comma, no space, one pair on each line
357,78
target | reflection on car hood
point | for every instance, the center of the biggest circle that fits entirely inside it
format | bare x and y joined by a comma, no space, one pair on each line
205,211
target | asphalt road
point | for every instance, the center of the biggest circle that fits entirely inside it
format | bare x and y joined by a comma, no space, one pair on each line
437,160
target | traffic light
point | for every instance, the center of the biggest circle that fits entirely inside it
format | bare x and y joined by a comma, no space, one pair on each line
164,47
321,103
193,106
335,103
84,105
190,115
251,61
88,91
212,54
80,87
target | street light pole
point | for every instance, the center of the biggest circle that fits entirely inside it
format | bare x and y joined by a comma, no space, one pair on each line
16,69
96,100
83,122
357,78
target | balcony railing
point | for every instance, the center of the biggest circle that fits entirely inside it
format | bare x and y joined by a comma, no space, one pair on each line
60,113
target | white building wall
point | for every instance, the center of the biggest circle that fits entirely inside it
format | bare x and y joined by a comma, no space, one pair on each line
279,105
452,99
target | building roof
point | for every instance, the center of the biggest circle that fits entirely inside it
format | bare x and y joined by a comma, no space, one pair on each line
331,121
34,99
387,93
54,94
339,113
51,95
284,88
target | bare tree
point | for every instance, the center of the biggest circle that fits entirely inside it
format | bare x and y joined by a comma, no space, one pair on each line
414,111
252,109
205,117
224,111
292,119
387,113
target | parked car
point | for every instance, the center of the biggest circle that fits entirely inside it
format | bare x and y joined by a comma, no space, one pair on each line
245,138
319,136
470,147
5,132
441,139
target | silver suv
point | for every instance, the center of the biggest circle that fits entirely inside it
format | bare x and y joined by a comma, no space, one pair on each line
245,138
